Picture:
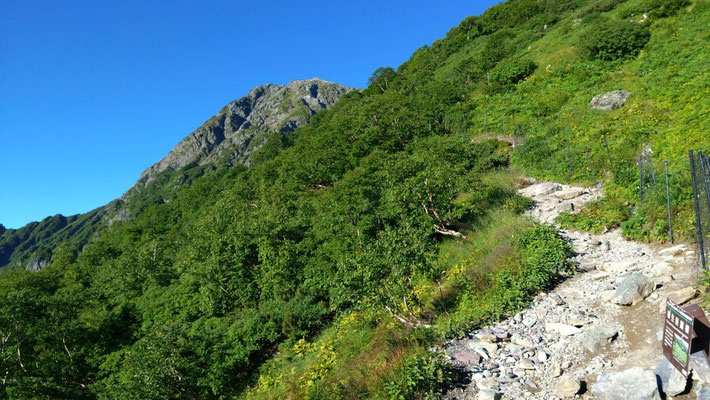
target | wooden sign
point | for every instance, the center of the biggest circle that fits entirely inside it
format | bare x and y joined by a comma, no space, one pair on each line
678,334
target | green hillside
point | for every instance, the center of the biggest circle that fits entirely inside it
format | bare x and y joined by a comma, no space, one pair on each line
230,137
386,224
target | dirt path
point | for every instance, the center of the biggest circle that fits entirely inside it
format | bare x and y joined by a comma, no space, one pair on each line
576,330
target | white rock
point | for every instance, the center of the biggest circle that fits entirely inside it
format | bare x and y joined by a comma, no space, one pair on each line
675,250
488,394
562,329
567,387
568,194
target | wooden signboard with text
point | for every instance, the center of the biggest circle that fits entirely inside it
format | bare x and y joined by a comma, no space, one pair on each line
686,331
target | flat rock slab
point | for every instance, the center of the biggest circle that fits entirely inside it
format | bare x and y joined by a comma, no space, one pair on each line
631,384
618,266
680,297
467,358
478,345
562,329
678,250
568,194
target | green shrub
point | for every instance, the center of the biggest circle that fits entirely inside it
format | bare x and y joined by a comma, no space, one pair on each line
616,40
666,8
512,71
600,6
545,254
595,217
423,376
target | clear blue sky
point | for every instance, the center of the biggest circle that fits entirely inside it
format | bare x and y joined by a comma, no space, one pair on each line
94,92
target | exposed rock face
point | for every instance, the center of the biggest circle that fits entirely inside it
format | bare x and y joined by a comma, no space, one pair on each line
242,126
36,264
609,101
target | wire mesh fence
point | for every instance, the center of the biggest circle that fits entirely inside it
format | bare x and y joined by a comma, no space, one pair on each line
700,171
647,172
661,190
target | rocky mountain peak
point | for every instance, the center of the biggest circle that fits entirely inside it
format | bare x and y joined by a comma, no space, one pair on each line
243,125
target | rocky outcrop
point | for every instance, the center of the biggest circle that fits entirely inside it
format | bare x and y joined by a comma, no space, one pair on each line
609,101
242,126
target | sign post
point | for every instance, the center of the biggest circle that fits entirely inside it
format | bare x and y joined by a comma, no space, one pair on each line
686,331
677,337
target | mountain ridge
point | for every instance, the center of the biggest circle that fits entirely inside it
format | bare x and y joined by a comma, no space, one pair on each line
230,137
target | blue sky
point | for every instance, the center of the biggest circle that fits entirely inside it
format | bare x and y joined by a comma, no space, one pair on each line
94,92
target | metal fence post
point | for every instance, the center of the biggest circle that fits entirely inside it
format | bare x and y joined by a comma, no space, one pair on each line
653,172
569,158
698,223
608,153
706,176
668,202
641,178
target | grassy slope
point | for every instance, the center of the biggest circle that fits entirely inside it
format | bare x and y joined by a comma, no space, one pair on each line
668,110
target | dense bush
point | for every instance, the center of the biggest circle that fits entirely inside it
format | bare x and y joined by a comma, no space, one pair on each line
666,8
423,376
615,40
512,70
600,6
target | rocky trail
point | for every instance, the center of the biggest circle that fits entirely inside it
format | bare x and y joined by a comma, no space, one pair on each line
596,335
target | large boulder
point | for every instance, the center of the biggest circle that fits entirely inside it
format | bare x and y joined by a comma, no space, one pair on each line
631,384
671,380
609,101
633,290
